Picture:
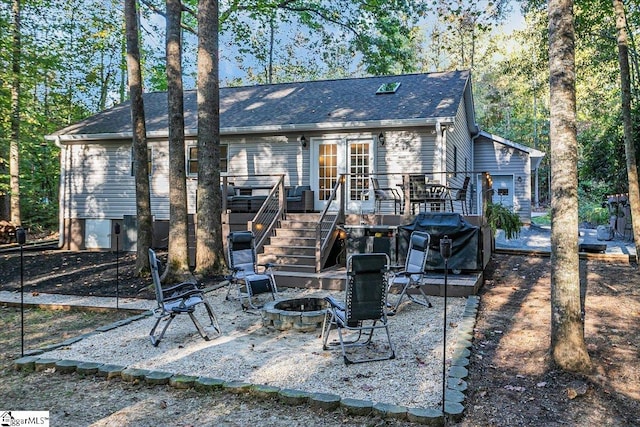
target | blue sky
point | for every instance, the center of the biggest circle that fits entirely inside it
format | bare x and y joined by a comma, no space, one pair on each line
229,69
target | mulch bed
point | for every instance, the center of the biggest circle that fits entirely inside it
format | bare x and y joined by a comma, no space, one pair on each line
74,273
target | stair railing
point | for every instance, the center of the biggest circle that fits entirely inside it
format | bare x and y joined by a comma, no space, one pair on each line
331,215
269,215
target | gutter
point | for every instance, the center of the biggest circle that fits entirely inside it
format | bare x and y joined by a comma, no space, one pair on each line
253,130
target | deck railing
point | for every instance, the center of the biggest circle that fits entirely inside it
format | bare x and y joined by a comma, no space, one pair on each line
269,214
330,217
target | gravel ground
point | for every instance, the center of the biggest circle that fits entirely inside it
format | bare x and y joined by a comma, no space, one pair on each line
248,352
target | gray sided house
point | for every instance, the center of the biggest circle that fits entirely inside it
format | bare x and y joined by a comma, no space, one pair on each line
312,137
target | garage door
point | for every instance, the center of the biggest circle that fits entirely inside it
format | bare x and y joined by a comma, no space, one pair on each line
503,190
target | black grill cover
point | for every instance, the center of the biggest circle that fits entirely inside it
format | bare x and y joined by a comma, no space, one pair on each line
465,245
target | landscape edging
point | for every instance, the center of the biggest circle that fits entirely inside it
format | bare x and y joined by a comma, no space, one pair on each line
454,395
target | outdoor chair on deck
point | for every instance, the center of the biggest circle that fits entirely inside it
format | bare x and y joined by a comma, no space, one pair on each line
182,298
364,310
244,278
461,196
411,277
418,191
383,194
437,198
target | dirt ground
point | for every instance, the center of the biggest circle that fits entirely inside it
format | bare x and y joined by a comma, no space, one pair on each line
512,380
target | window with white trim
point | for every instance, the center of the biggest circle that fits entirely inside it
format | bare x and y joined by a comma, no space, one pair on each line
192,159
149,162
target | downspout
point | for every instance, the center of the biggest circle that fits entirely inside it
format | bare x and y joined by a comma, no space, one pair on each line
440,154
474,180
62,193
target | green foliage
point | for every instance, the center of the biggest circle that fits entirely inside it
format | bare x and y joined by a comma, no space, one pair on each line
590,205
379,37
500,217
542,219
591,194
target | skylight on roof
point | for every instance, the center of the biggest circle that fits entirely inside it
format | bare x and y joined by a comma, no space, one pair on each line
390,87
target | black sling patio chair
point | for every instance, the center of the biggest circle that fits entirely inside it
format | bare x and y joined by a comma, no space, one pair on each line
386,194
363,312
461,195
411,277
182,298
244,278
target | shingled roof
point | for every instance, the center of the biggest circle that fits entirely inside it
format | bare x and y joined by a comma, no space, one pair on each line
323,104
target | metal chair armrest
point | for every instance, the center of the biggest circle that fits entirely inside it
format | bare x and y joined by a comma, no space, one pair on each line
182,295
334,303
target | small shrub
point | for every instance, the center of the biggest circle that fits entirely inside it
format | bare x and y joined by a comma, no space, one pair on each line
500,217
593,213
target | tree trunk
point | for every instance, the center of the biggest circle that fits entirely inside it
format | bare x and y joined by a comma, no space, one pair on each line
14,147
567,322
629,143
209,243
178,261
143,199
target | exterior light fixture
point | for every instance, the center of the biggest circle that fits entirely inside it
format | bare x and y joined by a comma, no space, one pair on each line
303,141
381,138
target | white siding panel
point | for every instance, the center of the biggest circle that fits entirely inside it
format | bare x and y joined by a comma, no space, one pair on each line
251,157
101,185
406,151
159,180
100,182
459,137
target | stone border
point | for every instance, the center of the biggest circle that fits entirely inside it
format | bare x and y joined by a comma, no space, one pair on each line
454,395
302,321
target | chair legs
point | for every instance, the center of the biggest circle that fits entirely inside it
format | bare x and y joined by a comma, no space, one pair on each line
212,316
261,285
396,203
463,206
331,320
424,302
155,340
169,316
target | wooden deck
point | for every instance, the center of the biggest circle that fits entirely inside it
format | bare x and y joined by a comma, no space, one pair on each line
458,285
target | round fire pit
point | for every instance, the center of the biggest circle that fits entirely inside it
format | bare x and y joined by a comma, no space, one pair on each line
301,314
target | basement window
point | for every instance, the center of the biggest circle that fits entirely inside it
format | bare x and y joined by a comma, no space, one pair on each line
390,87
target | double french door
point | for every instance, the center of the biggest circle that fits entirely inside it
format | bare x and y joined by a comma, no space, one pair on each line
331,158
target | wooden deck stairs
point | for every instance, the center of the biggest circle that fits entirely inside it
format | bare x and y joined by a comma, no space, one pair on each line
292,250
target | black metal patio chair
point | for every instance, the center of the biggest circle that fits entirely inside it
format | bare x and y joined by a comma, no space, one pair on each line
410,278
181,298
245,280
363,312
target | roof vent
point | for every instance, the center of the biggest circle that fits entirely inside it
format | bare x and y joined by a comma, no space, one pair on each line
390,87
